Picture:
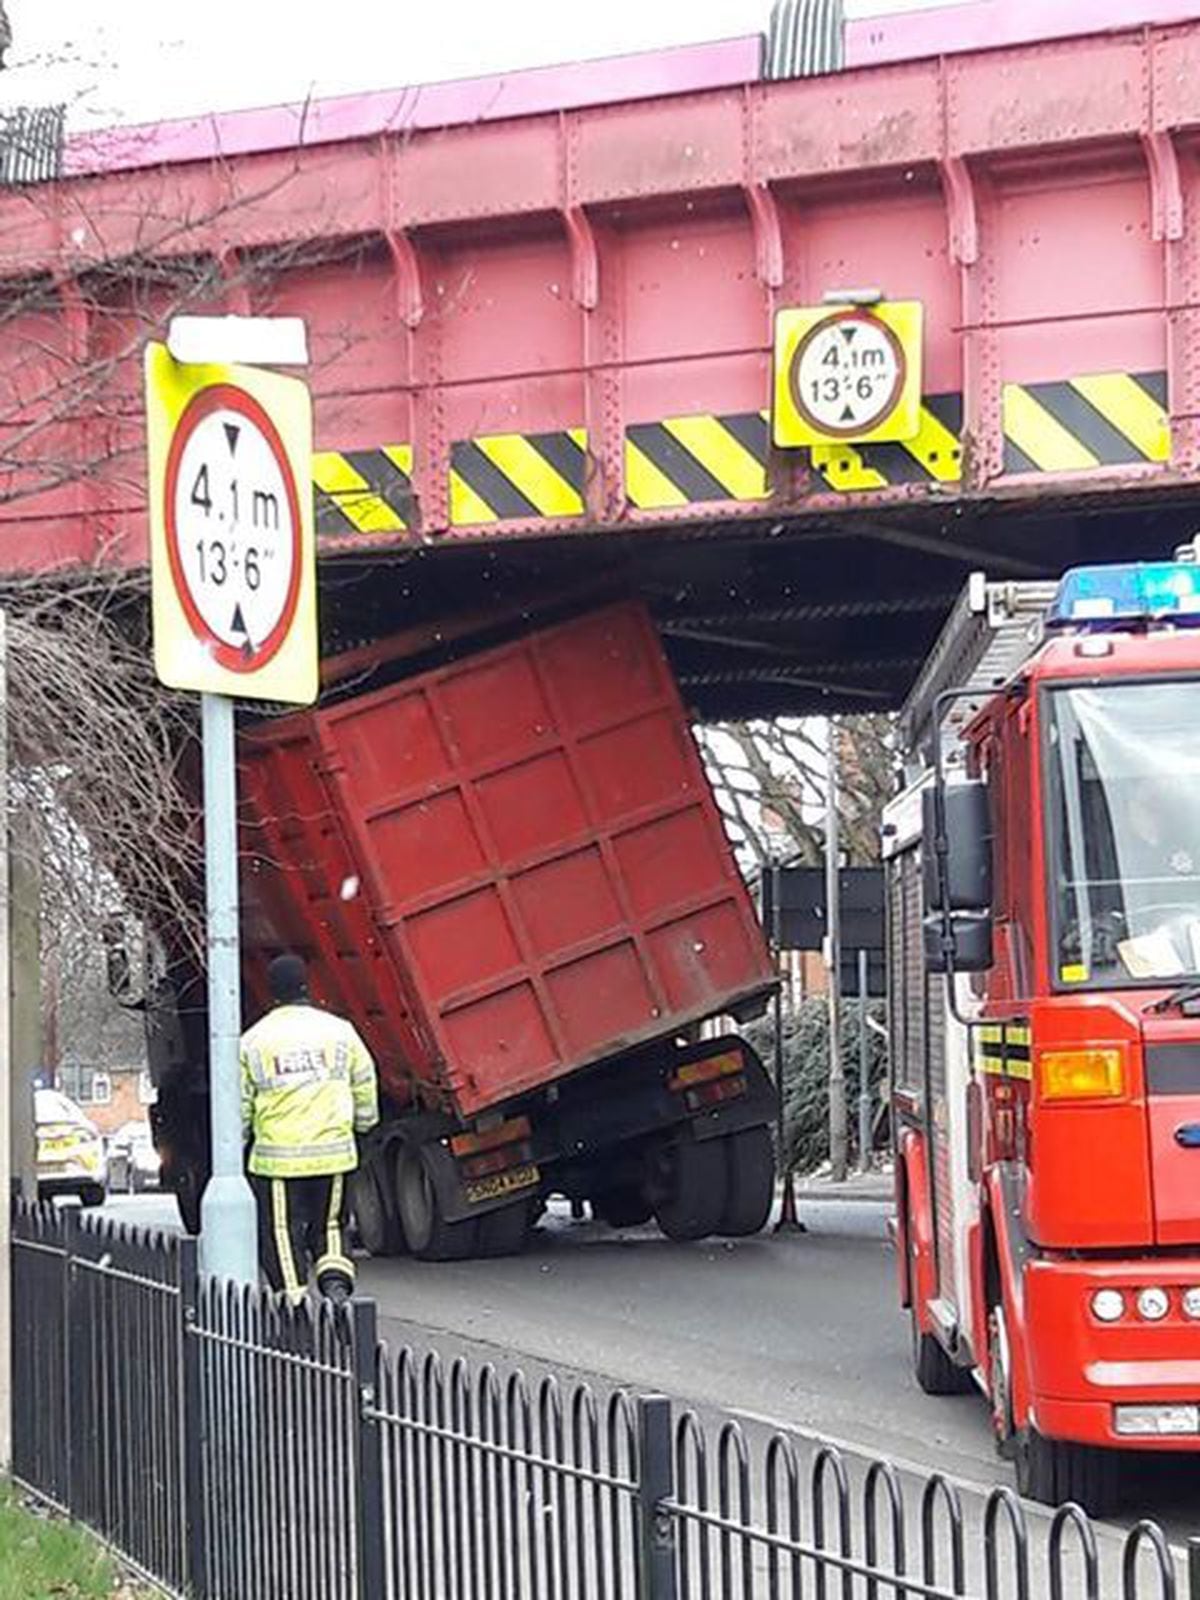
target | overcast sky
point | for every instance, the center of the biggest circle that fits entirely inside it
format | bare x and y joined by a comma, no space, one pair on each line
137,60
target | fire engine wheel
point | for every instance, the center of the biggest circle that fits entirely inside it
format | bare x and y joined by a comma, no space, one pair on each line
934,1370
689,1187
379,1229
426,1232
1054,1471
504,1232
1000,1379
623,1206
750,1182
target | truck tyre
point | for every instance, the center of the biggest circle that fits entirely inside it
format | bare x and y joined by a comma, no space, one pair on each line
374,1208
690,1186
623,1206
92,1195
506,1231
750,1181
1053,1471
426,1232
934,1370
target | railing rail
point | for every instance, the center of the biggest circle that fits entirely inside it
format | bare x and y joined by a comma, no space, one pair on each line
232,1448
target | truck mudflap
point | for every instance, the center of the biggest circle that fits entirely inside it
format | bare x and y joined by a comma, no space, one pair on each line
712,1089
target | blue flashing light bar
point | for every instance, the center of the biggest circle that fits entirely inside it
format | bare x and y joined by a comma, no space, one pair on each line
1143,591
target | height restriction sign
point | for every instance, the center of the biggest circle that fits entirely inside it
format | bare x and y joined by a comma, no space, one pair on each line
847,374
231,530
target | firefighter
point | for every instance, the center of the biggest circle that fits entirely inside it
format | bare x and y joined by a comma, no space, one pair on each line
308,1093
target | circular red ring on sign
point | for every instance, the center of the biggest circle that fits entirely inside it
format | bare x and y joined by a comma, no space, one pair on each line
850,314
225,397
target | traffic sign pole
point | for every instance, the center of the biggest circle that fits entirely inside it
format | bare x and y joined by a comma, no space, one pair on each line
228,1230
864,1063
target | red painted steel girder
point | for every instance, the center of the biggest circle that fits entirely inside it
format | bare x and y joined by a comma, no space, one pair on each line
562,322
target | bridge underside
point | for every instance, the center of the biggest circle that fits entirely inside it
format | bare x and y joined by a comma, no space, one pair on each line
766,619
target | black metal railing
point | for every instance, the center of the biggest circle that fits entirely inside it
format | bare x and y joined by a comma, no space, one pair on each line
234,1449
98,1425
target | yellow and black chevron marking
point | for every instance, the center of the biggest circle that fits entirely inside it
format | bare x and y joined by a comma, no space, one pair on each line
1105,419
1003,1049
504,477
934,456
364,491
686,460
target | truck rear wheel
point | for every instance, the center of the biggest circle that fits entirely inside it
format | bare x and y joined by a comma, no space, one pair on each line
372,1200
689,1188
750,1180
426,1232
1053,1471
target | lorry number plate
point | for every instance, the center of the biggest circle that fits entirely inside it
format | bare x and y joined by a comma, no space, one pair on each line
502,1183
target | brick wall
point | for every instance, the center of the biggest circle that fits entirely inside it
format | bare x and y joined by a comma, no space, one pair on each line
125,1101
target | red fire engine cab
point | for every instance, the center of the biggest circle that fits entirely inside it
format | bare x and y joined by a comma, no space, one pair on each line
1043,871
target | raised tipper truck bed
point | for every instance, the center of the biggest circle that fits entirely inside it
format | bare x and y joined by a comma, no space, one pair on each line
511,872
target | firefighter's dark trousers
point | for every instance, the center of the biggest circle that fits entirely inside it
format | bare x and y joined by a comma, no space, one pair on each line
301,1229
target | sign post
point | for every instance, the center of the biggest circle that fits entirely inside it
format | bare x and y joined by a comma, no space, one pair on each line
234,604
833,960
227,1214
864,1063
6,1086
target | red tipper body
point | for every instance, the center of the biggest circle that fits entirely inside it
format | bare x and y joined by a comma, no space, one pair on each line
508,867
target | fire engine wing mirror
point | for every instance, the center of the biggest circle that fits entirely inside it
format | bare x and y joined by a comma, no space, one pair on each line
958,878
971,932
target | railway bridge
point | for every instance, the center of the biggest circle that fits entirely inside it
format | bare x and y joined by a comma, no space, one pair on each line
542,308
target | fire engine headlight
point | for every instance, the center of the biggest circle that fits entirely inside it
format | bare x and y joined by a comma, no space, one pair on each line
1153,1304
1097,1074
1191,1304
1108,1305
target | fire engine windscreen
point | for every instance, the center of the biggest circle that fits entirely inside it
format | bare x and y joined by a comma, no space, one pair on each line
1123,833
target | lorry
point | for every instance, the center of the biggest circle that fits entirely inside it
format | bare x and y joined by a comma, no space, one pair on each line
505,864
1043,905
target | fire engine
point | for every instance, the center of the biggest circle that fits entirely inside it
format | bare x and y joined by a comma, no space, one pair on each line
1043,865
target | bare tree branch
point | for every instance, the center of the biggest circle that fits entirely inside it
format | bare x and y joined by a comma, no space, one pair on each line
769,778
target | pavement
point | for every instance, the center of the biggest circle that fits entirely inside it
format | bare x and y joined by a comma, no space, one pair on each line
876,1186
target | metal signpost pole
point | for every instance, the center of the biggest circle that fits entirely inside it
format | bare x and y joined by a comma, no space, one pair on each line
789,1219
833,927
227,1217
777,942
864,1064
6,1168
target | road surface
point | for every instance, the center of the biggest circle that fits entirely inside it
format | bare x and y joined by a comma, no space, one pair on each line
795,1331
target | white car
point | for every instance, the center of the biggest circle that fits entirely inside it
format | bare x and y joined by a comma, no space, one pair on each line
70,1152
133,1162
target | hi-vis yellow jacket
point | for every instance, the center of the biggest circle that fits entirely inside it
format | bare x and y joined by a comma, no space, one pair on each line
308,1086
